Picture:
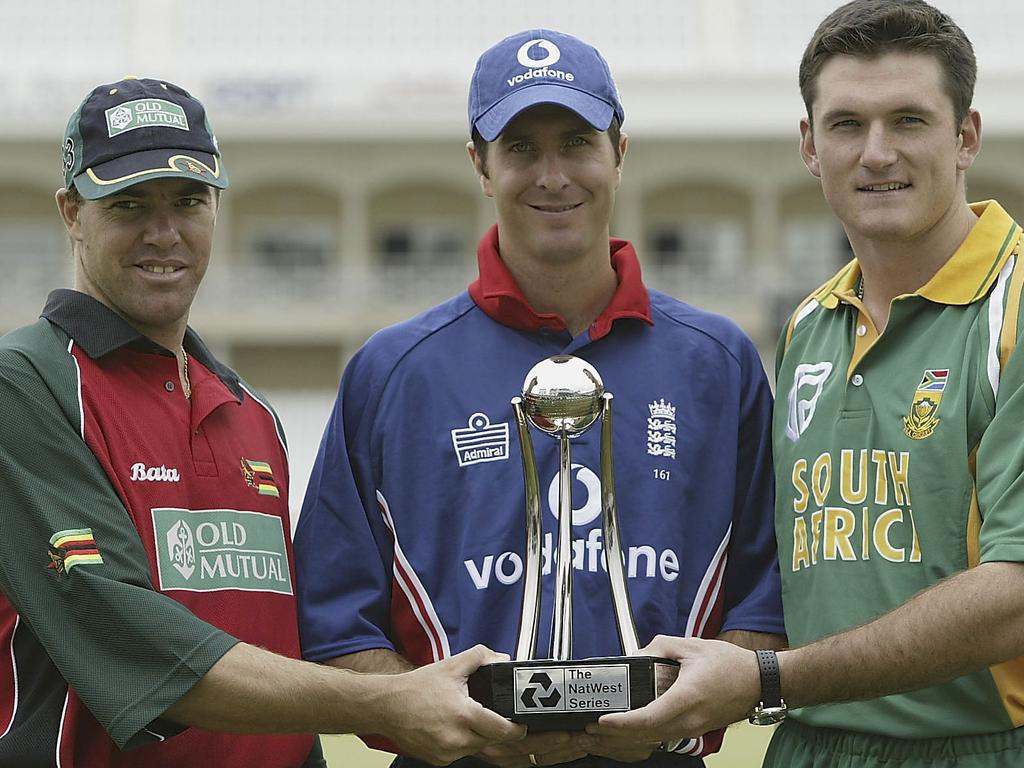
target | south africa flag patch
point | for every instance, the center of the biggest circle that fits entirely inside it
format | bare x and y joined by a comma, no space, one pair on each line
71,548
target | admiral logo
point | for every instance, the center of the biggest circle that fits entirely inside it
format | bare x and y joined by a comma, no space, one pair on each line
808,381
539,68
640,561
220,549
161,474
144,113
661,429
480,441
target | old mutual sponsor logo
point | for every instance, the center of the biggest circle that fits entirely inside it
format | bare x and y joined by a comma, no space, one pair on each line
217,549
144,113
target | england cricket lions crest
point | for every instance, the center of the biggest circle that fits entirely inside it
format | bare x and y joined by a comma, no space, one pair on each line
922,420
661,429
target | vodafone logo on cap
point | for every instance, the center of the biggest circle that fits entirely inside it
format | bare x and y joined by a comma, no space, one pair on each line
537,69
553,54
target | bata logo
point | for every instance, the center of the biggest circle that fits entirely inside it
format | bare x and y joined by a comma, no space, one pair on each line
539,68
641,562
142,473
219,549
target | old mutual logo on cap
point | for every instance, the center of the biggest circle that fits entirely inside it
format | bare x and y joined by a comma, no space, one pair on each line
137,130
143,113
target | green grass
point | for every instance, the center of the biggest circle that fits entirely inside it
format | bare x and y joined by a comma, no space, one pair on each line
744,747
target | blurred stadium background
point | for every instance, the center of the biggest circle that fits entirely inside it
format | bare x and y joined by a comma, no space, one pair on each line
352,204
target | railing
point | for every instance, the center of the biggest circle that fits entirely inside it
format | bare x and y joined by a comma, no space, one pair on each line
243,300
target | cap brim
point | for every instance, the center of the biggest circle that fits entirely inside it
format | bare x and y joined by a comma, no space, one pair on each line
115,175
595,111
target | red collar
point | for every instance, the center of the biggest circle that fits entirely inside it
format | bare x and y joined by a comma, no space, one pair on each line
495,291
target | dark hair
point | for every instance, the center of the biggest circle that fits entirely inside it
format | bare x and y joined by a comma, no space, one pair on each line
614,132
873,28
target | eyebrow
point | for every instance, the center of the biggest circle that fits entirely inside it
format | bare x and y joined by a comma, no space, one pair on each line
584,128
904,109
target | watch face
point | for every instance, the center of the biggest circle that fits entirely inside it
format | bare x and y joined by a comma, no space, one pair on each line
767,715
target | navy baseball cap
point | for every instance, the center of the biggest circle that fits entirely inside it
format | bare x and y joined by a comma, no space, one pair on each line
136,130
541,66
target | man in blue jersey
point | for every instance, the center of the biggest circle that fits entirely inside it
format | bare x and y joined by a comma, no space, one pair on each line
410,544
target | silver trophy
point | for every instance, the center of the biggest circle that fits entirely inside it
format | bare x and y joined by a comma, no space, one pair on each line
563,396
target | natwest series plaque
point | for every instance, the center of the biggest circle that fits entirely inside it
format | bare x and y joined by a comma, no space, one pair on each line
563,397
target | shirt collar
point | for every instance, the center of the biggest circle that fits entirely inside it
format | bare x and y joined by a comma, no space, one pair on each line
98,330
495,291
965,277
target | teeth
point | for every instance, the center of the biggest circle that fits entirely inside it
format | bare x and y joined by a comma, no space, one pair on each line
158,269
890,187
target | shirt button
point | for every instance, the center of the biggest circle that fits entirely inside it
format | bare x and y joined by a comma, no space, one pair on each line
861,330
169,386
857,379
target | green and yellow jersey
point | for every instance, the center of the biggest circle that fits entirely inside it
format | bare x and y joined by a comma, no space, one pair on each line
899,459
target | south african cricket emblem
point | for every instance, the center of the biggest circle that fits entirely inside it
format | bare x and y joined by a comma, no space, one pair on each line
922,420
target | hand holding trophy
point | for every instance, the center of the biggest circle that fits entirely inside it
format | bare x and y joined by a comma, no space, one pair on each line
563,396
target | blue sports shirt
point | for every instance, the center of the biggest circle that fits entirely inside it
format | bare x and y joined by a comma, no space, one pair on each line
412,534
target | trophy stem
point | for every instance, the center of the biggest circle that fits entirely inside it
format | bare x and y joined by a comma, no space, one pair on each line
529,620
561,630
613,546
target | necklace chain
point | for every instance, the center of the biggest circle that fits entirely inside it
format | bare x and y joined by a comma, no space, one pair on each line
184,374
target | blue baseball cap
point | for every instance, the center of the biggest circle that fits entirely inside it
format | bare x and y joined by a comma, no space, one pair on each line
135,130
541,66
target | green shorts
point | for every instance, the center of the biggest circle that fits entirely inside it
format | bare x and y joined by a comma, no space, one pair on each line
802,746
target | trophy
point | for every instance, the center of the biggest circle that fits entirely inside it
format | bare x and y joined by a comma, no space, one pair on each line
563,396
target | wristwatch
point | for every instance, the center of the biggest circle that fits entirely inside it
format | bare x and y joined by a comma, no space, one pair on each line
771,709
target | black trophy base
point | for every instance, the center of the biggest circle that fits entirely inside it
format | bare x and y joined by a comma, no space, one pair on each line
550,695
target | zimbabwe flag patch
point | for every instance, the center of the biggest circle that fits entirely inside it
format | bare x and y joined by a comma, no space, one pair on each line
71,548
260,476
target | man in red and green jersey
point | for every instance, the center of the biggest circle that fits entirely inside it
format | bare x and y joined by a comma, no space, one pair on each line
900,399
147,609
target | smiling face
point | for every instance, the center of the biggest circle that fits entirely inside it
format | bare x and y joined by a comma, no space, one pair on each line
553,179
886,146
143,251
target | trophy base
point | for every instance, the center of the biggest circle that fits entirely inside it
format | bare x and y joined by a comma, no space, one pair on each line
549,695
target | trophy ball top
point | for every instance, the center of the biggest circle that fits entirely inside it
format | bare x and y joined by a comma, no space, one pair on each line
563,393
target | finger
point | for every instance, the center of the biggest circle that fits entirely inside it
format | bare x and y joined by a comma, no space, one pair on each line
491,727
644,724
558,756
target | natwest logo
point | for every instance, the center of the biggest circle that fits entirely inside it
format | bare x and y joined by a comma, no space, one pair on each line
539,68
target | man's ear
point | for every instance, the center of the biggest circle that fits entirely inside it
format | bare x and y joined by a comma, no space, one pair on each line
969,140
479,168
69,209
808,152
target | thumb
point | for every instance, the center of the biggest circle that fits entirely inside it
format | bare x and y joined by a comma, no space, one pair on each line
470,660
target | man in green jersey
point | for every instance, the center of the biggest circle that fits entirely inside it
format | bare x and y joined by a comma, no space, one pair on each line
897,436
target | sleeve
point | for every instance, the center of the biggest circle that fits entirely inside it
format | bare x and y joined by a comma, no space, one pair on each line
753,591
343,552
73,567
1000,470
